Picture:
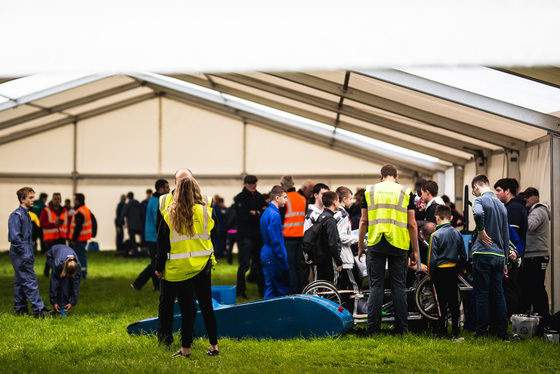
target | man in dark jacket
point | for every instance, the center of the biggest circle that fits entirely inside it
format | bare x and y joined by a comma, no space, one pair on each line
330,265
506,191
249,207
134,213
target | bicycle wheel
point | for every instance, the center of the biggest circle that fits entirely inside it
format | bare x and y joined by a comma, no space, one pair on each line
324,289
426,302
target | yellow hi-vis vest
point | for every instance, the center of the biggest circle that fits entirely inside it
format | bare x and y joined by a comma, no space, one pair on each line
387,214
189,254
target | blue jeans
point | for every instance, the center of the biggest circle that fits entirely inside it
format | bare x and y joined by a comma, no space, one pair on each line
397,273
80,249
488,274
295,257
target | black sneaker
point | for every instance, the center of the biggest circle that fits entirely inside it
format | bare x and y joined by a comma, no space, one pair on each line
22,312
243,296
179,353
44,312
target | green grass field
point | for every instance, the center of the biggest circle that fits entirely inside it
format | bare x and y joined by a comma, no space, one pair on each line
94,339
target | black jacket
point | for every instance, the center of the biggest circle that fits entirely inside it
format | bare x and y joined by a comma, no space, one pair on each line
330,240
517,216
135,216
446,246
248,224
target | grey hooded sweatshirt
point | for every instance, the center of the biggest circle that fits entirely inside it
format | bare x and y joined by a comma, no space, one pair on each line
538,231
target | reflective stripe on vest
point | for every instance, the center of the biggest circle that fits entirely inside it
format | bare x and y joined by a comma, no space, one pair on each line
295,215
388,214
189,254
87,226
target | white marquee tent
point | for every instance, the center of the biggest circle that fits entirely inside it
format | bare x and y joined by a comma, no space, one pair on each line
295,89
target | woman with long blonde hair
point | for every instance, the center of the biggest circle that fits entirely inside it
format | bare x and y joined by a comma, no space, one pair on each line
184,263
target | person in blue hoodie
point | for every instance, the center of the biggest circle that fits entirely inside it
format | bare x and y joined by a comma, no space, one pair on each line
274,258
65,277
490,257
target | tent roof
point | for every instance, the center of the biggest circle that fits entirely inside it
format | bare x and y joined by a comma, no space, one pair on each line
434,125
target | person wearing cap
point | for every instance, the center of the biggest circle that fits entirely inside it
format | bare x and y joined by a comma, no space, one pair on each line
249,207
65,277
536,256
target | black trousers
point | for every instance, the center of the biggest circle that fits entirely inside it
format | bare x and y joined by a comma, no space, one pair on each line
444,283
186,292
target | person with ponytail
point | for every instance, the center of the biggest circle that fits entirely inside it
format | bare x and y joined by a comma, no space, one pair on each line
65,277
184,262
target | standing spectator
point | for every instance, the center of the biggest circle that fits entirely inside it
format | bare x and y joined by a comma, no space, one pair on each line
315,207
536,257
120,232
388,219
347,239
249,206
231,227
506,191
184,262
330,265
430,201
55,225
355,210
306,189
293,215
21,253
490,256
273,255
144,203
458,218
81,229
219,208
65,278
162,187
447,249
37,209
134,213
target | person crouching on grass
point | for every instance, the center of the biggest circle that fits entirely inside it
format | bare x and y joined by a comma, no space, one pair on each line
446,250
65,277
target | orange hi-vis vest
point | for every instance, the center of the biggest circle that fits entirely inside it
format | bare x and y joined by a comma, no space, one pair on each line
295,215
87,227
54,233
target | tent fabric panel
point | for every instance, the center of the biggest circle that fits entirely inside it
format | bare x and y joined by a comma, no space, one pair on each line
83,91
204,142
496,168
444,108
405,137
425,127
277,98
21,110
50,152
268,152
30,125
280,82
534,166
76,111
123,141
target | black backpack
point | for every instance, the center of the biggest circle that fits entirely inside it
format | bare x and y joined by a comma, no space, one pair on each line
311,245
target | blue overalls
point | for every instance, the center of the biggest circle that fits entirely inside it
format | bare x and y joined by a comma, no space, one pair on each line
26,286
62,291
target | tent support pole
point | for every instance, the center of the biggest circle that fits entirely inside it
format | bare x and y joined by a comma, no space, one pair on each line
555,223
75,159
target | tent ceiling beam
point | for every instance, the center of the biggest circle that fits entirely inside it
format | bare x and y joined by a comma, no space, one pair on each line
66,121
351,112
469,99
308,136
326,120
67,105
548,75
392,106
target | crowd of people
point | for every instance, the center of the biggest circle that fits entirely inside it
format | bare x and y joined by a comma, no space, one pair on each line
185,231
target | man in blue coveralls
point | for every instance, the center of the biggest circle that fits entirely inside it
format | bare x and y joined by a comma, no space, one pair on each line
21,254
273,255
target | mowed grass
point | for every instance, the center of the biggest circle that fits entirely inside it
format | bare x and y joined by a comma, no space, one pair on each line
94,339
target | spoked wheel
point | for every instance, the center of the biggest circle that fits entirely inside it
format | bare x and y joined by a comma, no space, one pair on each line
324,289
425,300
